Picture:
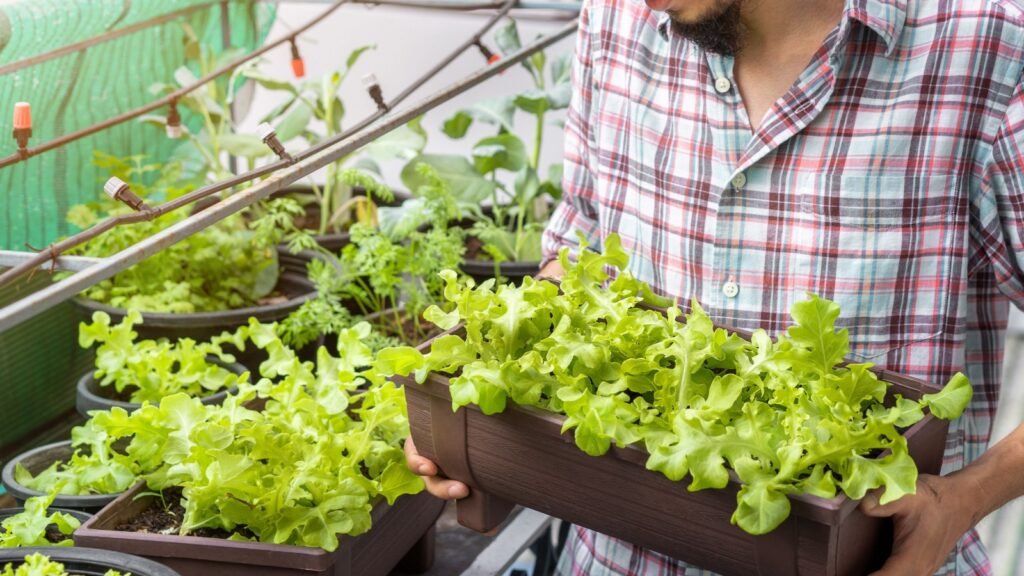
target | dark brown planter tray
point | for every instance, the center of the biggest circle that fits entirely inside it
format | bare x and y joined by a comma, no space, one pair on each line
521,457
396,531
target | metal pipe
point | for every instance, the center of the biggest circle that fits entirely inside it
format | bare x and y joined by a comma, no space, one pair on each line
62,263
17,312
101,38
172,97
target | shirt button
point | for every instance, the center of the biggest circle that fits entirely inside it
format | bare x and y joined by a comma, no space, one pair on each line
739,181
730,289
722,85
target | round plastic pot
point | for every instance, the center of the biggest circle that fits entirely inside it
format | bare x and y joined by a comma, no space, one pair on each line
514,272
89,561
201,326
39,459
89,395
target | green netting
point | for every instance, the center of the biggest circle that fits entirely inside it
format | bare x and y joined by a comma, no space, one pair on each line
81,89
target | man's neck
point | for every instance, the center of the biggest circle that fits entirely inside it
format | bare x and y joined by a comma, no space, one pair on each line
782,27
780,37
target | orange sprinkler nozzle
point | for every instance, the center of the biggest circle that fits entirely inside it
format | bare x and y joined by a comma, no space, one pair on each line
22,127
298,64
22,116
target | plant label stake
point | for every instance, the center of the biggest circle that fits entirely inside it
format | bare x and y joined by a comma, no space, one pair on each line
22,127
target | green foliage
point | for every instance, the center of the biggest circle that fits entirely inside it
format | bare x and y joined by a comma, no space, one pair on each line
94,468
382,268
520,208
40,565
304,469
152,369
29,527
782,415
232,264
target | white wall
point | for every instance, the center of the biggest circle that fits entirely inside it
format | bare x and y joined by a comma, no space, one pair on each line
408,41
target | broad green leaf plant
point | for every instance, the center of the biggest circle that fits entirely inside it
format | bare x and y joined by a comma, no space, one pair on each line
152,369
311,110
785,416
314,111
501,169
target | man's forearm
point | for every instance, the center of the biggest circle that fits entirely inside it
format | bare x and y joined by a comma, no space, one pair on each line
996,477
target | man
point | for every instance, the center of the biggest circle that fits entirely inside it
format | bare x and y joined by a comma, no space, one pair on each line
869,151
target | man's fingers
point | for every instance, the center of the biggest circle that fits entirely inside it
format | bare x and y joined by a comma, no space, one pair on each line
437,486
872,506
446,489
417,463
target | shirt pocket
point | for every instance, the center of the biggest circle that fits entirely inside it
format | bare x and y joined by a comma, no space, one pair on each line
882,248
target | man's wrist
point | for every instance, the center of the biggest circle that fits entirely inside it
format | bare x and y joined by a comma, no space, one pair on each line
996,478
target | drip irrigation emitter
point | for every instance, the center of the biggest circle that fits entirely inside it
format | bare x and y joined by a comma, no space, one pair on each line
298,64
119,190
22,127
376,93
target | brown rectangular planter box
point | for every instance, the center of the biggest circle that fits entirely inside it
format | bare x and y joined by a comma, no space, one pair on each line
396,531
520,457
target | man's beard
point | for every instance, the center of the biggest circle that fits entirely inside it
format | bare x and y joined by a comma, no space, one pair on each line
719,31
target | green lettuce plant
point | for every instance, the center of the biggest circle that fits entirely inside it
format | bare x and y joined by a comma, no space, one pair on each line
29,527
152,369
299,458
39,565
785,416
304,469
230,265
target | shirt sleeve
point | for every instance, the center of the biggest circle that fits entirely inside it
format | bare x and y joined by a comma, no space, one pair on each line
577,212
997,210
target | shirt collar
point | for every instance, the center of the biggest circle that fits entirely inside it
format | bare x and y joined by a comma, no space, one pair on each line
885,17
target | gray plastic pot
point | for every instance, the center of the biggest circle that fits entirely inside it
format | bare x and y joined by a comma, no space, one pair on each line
39,459
89,395
89,561
202,326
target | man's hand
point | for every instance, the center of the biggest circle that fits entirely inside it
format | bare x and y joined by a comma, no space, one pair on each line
440,487
927,524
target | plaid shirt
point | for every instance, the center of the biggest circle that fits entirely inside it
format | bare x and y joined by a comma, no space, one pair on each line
890,178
